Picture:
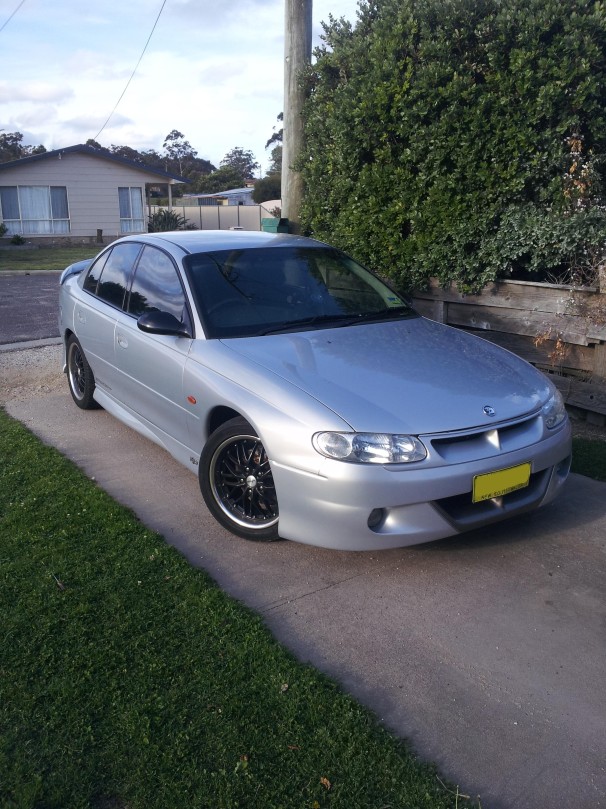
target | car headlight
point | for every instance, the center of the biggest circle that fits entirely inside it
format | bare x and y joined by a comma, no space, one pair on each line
370,447
553,411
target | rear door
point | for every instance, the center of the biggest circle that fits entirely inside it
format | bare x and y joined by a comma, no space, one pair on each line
96,313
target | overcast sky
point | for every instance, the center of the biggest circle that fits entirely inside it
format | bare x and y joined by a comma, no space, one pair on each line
212,70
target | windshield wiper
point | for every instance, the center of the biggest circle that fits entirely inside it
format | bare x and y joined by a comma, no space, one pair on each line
316,320
395,313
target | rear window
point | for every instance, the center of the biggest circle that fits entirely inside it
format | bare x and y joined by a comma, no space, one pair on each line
108,277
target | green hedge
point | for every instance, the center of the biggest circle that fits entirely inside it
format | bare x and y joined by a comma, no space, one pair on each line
461,138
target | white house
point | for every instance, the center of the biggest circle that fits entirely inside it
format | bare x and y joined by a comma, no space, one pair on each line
78,194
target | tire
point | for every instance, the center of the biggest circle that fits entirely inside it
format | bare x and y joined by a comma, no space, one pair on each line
80,376
237,483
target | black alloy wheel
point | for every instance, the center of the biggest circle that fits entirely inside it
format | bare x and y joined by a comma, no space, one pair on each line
80,376
237,482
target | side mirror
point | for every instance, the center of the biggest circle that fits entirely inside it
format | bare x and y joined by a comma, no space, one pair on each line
156,322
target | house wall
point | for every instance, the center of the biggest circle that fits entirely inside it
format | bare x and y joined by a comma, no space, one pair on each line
92,190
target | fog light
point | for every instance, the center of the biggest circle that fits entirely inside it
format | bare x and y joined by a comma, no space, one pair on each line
376,517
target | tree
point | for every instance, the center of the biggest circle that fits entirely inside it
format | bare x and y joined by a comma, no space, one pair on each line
180,158
268,188
242,161
12,148
127,153
439,136
275,167
223,179
236,168
278,136
152,158
178,150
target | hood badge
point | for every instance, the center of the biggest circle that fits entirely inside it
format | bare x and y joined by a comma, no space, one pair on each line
489,411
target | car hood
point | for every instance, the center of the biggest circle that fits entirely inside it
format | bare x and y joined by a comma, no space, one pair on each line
408,376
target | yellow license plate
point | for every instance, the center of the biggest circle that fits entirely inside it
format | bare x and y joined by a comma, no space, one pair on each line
497,484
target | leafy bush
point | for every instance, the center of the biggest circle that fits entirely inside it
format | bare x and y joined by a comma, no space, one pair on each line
165,220
17,239
460,139
2,229
268,188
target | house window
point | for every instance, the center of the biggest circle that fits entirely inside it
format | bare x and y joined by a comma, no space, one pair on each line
34,210
131,210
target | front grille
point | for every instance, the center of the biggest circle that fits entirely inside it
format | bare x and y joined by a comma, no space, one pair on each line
486,442
463,513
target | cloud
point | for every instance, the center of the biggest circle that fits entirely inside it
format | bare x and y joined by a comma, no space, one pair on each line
90,123
230,12
37,91
212,70
36,116
218,73
96,66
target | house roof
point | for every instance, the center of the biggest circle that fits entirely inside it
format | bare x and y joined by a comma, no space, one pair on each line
101,154
232,192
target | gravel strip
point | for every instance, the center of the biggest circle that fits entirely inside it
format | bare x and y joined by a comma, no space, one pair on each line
31,372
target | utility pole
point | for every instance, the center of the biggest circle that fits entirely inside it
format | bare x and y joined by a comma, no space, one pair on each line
297,56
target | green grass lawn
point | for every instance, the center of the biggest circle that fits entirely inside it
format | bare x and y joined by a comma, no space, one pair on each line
44,258
129,680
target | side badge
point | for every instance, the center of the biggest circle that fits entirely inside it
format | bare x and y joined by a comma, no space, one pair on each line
489,411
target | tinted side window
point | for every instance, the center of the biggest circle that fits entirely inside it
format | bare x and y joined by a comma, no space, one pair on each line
156,286
92,277
114,276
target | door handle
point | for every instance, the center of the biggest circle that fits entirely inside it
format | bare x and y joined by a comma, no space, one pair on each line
122,341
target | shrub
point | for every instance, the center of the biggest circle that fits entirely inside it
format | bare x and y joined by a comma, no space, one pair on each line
450,138
267,188
165,220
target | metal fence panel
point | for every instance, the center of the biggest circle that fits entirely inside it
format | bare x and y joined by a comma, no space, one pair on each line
219,217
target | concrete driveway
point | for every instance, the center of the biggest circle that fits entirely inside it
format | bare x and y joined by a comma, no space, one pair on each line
487,652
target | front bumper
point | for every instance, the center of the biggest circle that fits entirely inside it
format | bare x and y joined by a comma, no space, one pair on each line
407,505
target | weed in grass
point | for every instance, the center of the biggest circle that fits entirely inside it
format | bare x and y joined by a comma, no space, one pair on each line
130,680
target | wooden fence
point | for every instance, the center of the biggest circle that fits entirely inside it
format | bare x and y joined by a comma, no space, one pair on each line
559,329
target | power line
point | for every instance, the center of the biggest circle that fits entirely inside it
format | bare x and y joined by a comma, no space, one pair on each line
11,16
134,71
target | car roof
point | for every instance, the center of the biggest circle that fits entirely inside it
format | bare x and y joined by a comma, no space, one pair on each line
201,241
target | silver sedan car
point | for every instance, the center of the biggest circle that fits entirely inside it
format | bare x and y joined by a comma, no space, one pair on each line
311,400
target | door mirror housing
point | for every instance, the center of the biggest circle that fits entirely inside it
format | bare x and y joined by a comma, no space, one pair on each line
156,322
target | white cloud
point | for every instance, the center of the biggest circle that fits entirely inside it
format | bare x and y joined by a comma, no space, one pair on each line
37,91
88,123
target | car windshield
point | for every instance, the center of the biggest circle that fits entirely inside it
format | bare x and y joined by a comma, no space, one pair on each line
259,291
